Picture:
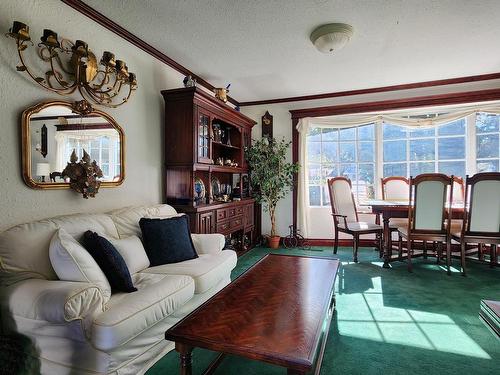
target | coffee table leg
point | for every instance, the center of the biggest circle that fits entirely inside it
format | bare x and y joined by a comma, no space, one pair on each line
186,358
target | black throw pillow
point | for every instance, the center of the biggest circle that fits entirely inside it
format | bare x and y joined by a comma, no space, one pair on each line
110,261
167,240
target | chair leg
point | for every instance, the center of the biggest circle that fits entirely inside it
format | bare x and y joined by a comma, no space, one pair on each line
463,245
355,248
409,249
439,251
380,245
493,255
448,257
425,249
400,248
336,242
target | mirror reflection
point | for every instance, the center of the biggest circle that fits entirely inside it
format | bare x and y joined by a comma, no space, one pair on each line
56,131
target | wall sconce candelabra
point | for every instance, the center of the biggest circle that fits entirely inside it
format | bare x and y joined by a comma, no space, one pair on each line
73,66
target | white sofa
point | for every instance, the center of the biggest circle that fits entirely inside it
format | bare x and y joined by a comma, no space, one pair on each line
72,328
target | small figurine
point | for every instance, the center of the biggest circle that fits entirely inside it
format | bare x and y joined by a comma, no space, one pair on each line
189,81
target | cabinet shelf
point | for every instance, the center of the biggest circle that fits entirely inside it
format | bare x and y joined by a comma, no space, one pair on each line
225,146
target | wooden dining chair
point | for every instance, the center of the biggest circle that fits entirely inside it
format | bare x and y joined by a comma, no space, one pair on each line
429,215
481,215
458,199
395,188
345,215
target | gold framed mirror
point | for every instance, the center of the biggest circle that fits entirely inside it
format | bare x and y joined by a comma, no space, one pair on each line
52,130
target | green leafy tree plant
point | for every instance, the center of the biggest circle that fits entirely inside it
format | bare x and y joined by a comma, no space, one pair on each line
271,175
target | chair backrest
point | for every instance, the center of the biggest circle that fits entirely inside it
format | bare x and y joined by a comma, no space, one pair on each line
458,189
395,188
429,196
483,214
342,199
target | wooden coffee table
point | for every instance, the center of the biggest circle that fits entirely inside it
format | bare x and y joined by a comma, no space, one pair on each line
278,311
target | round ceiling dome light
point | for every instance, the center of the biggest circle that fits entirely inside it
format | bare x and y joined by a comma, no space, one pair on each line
331,37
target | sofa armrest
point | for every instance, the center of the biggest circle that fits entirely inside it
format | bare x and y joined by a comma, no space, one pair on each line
54,301
208,243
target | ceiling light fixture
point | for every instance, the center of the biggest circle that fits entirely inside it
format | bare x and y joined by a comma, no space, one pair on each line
331,37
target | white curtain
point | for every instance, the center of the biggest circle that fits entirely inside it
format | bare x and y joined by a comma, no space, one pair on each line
414,118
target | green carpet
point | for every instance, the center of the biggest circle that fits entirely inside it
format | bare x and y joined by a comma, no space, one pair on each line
389,321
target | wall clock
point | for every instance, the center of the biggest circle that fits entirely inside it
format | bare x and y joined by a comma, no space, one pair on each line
267,125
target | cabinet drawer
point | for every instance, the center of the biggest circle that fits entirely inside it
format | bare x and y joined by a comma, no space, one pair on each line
231,212
224,227
221,214
239,210
236,222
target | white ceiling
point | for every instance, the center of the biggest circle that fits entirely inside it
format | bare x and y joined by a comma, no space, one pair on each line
262,47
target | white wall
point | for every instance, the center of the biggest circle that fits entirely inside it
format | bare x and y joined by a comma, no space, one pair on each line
141,118
322,221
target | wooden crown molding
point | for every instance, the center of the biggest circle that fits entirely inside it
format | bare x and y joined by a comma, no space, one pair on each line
403,103
406,86
101,19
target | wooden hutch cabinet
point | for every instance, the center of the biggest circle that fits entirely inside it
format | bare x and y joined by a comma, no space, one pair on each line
206,174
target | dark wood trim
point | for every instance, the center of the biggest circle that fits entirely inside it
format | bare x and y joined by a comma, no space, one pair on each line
405,86
422,101
402,103
67,127
44,118
101,19
295,158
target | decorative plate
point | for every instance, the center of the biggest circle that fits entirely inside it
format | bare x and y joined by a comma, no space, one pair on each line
215,187
199,189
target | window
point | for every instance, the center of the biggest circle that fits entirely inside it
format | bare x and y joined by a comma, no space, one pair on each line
348,152
408,152
487,142
103,149
366,153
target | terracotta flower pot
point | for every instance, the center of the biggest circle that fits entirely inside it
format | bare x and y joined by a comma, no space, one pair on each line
273,242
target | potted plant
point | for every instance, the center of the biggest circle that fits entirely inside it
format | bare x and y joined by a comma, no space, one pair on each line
271,177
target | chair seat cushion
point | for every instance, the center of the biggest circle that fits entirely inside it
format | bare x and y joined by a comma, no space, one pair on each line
361,226
207,270
128,315
395,223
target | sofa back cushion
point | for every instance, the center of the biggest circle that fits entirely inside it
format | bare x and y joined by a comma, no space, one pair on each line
24,249
24,252
72,262
132,251
127,219
76,225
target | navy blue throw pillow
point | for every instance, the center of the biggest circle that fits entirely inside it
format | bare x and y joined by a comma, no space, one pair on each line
167,240
110,261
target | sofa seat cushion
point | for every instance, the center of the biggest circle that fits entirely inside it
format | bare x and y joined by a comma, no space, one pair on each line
127,315
206,270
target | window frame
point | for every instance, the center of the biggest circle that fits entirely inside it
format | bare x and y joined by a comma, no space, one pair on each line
470,158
